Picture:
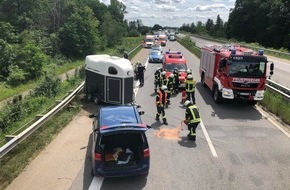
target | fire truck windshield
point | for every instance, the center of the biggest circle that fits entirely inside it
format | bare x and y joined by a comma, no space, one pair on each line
171,66
149,40
246,69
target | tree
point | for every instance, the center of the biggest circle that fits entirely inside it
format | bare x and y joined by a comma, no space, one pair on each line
6,59
79,35
7,32
112,31
157,27
209,26
30,59
117,9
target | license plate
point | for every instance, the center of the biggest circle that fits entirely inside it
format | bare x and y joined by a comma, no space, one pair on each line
244,93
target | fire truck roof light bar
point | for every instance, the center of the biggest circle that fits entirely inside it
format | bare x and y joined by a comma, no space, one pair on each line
233,51
261,52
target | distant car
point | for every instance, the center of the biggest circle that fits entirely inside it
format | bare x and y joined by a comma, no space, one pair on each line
172,37
162,40
155,56
120,146
172,60
157,47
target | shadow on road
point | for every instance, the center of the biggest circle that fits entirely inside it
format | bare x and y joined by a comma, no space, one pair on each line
124,183
186,143
228,109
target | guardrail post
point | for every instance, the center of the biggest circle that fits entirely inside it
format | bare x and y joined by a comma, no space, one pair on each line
9,137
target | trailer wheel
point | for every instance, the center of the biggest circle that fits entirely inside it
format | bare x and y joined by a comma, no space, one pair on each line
96,99
217,95
202,79
89,97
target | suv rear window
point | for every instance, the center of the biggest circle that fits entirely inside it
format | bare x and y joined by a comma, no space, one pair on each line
118,115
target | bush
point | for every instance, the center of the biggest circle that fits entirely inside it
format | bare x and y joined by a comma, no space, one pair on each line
16,76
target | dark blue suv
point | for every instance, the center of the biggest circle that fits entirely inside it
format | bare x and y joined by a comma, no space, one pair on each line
120,146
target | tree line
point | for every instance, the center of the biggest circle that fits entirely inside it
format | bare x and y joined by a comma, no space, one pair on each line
266,22
37,33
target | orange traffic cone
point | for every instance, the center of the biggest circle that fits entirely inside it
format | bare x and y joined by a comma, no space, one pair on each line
183,96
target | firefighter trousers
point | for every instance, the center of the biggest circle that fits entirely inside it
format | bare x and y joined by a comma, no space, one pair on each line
192,131
191,95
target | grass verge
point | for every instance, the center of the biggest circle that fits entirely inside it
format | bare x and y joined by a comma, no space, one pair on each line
13,163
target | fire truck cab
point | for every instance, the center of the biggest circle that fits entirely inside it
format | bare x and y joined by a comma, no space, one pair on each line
172,60
234,72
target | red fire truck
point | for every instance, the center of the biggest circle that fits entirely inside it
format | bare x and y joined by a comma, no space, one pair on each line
234,72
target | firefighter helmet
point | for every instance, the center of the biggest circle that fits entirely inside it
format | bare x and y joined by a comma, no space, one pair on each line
188,71
163,72
171,75
158,68
163,87
186,103
189,77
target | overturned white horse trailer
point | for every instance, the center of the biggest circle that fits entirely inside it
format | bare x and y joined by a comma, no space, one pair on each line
109,79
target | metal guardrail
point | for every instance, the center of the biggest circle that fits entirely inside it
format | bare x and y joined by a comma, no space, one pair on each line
278,88
23,135
247,46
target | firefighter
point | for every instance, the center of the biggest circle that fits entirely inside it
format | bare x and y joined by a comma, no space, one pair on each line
190,88
157,75
188,72
192,119
126,56
160,104
169,84
141,69
176,80
163,78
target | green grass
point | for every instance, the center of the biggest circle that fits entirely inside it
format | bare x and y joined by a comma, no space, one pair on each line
44,106
276,104
13,163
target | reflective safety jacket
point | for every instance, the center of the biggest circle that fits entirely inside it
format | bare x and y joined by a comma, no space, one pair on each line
161,98
157,76
190,85
192,114
169,84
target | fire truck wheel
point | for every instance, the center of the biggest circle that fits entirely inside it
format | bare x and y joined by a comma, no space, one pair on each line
252,102
216,95
202,79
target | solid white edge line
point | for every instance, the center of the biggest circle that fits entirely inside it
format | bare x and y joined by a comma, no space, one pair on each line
268,117
98,181
212,149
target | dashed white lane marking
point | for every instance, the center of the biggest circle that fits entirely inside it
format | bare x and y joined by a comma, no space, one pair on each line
268,117
98,181
211,147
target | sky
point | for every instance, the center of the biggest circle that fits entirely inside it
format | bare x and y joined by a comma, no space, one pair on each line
174,13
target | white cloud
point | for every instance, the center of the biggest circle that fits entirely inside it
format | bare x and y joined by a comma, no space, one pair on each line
175,12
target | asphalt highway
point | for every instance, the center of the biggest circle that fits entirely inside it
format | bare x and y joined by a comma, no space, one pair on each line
238,147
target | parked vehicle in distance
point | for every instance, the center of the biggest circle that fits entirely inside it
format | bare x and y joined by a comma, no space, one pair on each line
162,39
148,41
155,56
172,37
172,60
120,147
158,47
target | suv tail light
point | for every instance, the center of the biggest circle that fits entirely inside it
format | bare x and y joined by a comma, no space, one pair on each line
146,152
98,157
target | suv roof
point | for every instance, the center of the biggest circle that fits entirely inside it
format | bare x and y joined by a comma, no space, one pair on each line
123,117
